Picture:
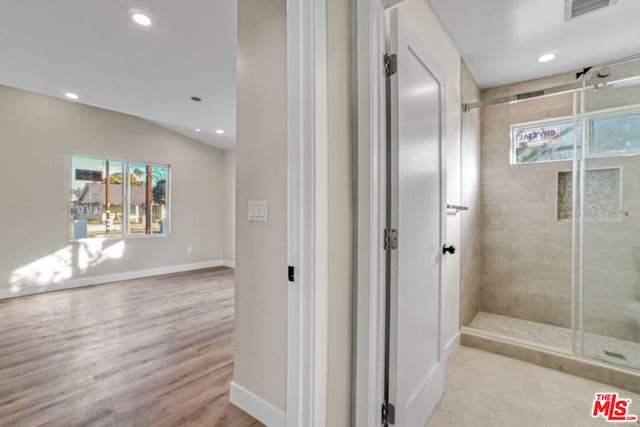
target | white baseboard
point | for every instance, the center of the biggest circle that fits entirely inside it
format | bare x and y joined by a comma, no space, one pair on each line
229,263
108,278
257,407
452,345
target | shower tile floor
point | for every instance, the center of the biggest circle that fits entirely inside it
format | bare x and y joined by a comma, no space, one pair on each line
613,350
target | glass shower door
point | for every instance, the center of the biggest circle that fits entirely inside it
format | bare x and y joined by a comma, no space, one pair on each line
609,225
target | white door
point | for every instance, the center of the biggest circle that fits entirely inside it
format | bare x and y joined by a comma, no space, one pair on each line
416,211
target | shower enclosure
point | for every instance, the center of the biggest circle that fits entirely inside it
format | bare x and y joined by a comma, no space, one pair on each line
561,219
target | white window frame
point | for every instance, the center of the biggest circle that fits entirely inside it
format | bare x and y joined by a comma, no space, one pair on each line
125,235
69,186
128,207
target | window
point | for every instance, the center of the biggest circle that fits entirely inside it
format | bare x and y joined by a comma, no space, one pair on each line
96,197
111,199
542,142
616,135
610,134
147,199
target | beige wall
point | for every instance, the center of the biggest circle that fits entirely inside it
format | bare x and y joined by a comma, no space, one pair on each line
38,134
526,251
341,142
423,21
261,159
471,241
229,203
261,152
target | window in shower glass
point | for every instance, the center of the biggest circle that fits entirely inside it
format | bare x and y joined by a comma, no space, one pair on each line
615,135
542,142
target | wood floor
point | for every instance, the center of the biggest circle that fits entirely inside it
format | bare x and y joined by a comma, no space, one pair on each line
148,352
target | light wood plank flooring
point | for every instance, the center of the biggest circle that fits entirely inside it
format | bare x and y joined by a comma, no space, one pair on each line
148,352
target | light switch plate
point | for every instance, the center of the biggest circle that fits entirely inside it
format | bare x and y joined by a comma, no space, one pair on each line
258,210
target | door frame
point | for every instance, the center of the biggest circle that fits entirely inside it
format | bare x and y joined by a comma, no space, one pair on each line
371,162
307,211
370,262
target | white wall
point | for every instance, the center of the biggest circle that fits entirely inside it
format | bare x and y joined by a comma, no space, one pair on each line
421,19
38,136
229,203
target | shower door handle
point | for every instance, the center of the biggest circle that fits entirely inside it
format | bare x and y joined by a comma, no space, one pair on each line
448,249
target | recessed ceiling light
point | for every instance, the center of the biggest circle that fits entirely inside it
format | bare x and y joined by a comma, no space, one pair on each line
71,95
219,131
197,129
547,57
141,19
196,98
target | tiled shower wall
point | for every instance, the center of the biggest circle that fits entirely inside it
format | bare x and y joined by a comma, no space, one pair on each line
471,251
527,243
526,269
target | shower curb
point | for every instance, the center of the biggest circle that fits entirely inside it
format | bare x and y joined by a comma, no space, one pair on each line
568,363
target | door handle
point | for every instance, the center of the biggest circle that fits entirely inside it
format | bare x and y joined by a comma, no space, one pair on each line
448,249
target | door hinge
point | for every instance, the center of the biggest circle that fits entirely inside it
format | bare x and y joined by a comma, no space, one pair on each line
390,238
291,273
390,64
388,413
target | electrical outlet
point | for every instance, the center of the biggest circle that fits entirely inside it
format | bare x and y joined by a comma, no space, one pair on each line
189,249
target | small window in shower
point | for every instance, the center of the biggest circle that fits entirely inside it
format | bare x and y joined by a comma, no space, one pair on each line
542,142
602,195
615,135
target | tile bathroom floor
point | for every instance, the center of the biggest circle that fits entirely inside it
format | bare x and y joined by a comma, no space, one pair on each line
486,389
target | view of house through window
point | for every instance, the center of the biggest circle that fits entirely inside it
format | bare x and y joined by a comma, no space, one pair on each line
96,197
99,192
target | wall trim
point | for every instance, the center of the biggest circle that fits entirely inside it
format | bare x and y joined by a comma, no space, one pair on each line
256,406
229,263
452,346
307,239
108,278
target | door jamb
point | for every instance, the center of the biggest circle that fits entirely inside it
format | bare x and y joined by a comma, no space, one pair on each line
371,161
371,158
307,212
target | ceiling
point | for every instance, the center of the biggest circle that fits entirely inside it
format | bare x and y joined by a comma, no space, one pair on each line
501,40
94,49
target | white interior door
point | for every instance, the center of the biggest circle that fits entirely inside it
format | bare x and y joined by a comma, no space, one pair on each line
416,211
